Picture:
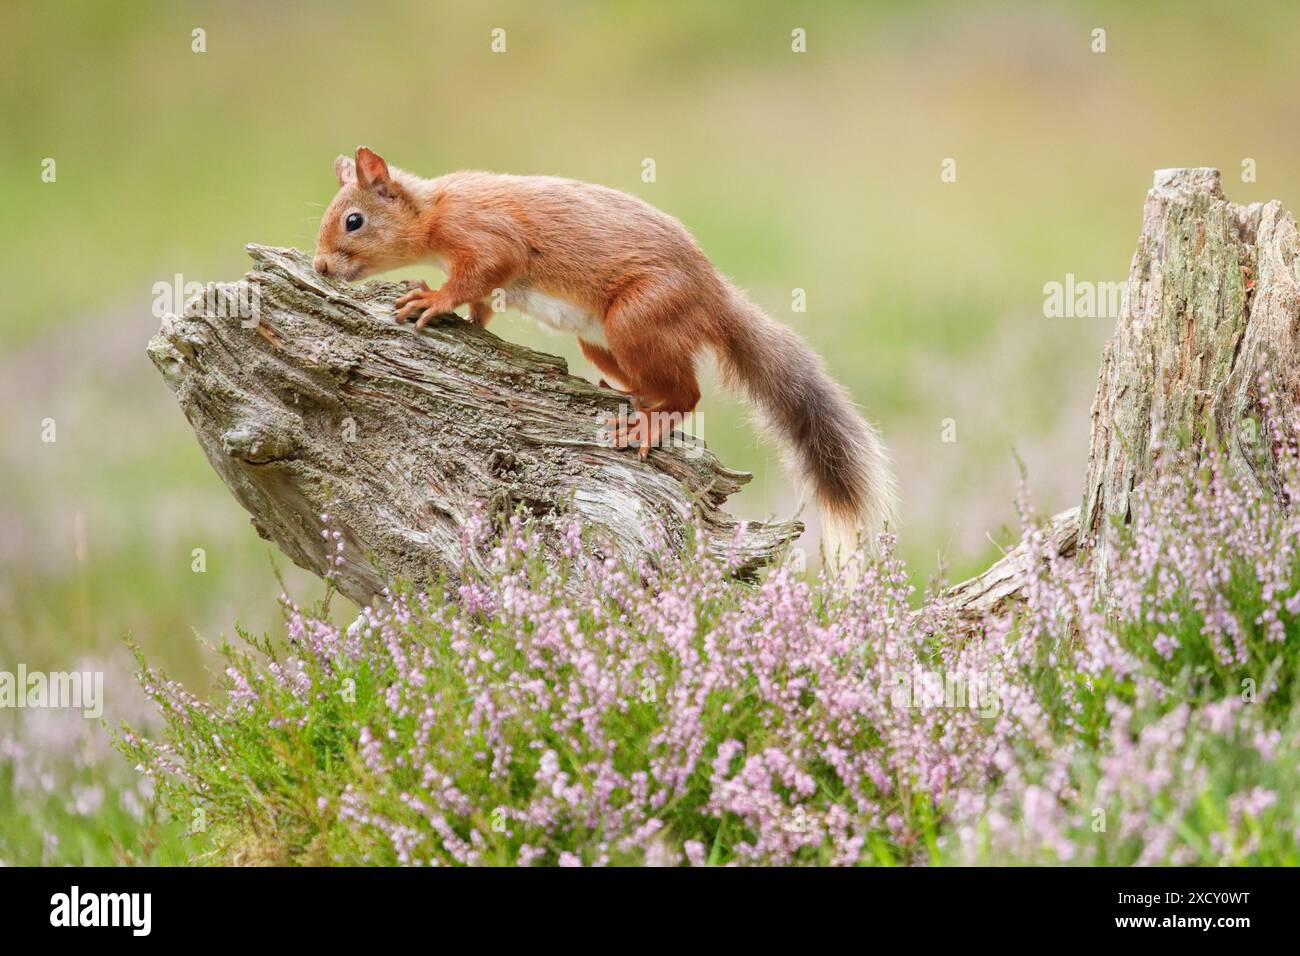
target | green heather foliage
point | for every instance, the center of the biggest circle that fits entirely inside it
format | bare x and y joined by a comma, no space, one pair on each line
666,714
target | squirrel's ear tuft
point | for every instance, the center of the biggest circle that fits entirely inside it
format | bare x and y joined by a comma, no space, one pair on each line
372,171
346,170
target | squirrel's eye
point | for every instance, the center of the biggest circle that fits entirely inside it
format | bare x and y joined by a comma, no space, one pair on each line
354,221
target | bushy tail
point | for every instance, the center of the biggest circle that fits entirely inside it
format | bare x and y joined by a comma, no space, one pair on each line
837,453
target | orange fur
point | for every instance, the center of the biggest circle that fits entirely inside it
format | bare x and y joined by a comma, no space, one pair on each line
574,250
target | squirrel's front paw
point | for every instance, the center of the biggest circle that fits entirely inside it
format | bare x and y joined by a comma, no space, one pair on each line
420,299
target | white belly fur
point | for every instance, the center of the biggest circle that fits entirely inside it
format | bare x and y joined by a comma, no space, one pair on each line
558,314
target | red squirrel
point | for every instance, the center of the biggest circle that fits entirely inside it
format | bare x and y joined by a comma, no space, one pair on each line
632,284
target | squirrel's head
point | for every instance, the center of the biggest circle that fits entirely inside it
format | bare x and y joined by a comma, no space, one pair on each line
373,223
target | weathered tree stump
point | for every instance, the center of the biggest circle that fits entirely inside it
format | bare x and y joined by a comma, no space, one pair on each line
1211,309
324,403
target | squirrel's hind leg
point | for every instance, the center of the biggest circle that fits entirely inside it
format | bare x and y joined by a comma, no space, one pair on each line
655,345
604,360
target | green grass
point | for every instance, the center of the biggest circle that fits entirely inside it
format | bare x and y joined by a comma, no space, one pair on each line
41,830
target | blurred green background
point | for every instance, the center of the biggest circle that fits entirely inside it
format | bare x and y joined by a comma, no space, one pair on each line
817,171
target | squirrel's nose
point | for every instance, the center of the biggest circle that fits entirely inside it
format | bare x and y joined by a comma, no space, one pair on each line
321,265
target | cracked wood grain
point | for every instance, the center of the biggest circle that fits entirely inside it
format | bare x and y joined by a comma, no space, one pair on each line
326,402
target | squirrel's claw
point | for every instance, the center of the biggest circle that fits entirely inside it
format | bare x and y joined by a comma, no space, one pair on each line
423,300
480,313
417,300
639,429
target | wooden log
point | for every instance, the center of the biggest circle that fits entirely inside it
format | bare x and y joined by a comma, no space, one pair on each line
307,397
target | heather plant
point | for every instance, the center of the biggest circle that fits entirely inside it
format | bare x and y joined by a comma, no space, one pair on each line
1179,744
600,712
1214,785
1206,592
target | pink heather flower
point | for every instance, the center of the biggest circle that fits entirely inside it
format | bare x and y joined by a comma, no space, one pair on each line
636,713
1252,803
